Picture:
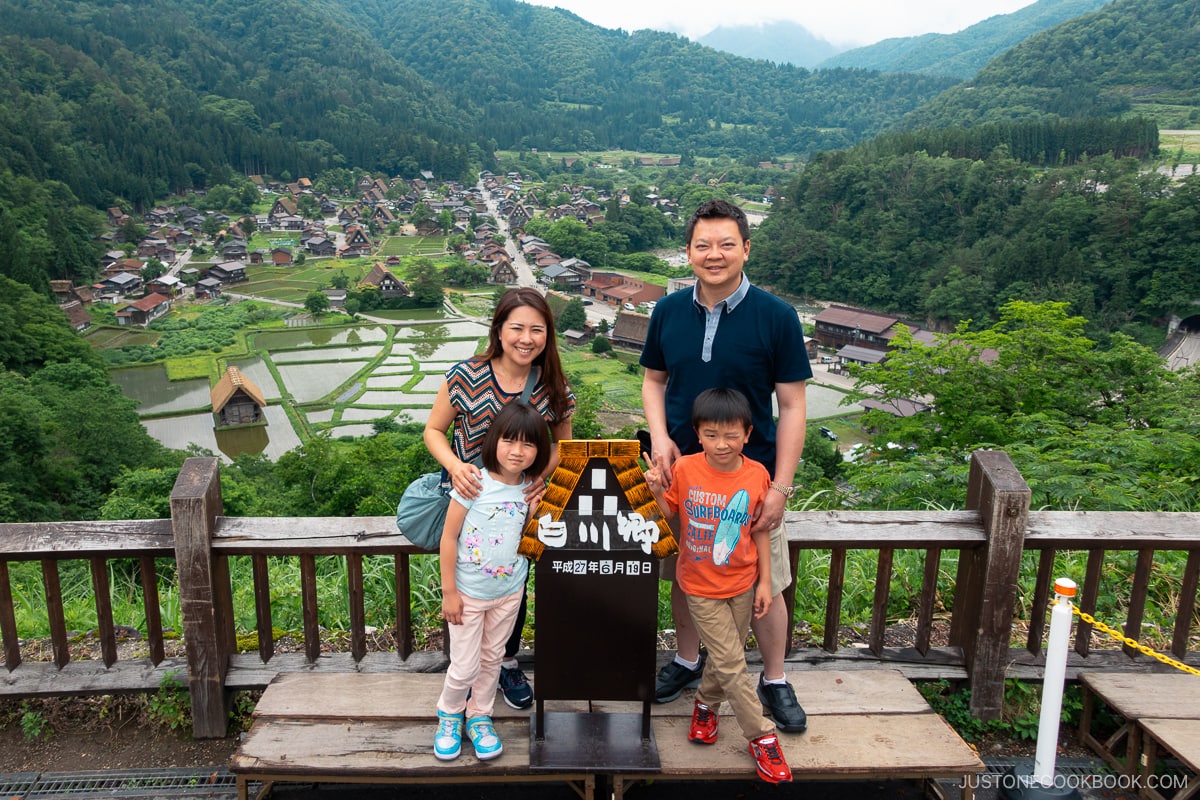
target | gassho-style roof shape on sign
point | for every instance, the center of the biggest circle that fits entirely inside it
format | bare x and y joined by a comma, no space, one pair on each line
591,498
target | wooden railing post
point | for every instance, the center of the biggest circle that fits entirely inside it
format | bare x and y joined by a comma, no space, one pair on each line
195,505
998,492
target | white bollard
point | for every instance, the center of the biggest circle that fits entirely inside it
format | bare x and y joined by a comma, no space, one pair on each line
1052,682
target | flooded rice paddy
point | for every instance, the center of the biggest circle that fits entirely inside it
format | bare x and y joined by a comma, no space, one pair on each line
337,381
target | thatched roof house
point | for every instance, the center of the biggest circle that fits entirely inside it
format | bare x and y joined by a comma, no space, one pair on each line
237,400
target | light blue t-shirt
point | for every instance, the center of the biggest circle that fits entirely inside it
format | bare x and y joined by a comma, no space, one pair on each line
488,563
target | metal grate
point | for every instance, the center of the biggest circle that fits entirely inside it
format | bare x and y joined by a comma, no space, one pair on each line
175,783
16,784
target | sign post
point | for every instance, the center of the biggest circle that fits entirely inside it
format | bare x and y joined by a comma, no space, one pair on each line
597,537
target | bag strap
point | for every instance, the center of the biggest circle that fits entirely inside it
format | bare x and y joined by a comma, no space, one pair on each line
530,382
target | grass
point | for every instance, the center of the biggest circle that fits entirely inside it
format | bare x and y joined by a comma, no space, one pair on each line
1181,147
622,388
404,246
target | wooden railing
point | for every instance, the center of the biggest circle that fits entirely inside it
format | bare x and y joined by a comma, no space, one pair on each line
989,540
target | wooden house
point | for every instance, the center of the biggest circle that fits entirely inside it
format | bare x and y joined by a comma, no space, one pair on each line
228,272
839,326
236,400
629,330
389,285
143,312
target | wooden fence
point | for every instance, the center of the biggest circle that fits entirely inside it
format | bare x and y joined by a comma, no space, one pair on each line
990,539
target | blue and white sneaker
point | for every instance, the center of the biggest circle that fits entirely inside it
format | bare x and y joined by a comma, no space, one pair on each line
484,738
447,742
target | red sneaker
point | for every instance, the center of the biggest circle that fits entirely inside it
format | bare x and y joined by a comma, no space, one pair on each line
704,725
772,767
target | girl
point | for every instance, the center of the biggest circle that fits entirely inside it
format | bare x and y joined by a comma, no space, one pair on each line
483,577
520,345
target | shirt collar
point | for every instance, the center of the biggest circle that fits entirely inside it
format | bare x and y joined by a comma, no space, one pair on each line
731,302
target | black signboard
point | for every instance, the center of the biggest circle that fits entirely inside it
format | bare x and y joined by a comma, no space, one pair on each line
597,535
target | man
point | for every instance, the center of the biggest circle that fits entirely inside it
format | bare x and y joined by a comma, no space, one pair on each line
728,333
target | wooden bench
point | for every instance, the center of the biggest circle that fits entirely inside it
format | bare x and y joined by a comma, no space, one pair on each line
1156,711
1180,737
378,728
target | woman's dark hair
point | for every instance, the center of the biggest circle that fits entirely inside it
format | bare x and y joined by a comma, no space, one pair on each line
717,209
720,406
523,423
547,361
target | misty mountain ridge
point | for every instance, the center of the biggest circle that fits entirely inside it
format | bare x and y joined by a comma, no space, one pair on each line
783,42
964,53
959,55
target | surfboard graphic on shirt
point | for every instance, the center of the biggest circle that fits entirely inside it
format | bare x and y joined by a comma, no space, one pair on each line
729,531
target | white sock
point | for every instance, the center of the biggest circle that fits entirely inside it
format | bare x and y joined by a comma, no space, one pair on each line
775,681
692,665
510,664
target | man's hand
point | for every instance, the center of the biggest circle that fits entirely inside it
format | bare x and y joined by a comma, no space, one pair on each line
770,512
663,453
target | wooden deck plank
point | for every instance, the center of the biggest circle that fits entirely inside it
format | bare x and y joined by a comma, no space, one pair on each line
852,745
1134,696
371,748
369,696
819,692
414,696
1180,736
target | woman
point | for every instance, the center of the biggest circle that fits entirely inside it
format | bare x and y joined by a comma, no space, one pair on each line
520,343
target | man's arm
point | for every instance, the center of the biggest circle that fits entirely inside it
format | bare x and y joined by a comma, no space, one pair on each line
654,402
789,446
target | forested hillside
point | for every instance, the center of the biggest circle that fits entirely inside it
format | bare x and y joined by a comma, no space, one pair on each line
547,79
1129,57
945,239
1029,184
964,53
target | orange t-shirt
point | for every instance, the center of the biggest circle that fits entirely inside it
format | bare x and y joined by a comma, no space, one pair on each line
717,556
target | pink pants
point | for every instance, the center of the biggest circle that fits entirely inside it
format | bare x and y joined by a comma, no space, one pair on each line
476,650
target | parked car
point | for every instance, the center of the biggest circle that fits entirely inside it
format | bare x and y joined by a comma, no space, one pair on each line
629,307
828,434
587,302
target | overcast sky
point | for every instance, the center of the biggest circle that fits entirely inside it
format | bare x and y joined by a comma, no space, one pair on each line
841,22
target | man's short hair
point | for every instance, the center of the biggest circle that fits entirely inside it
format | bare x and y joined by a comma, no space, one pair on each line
721,405
717,209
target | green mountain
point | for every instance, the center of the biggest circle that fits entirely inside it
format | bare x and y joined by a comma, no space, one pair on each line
131,101
534,77
1029,183
781,42
964,53
1129,57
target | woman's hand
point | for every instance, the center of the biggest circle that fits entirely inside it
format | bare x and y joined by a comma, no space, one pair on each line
466,481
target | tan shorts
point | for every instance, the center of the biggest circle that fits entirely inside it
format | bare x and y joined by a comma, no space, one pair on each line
781,569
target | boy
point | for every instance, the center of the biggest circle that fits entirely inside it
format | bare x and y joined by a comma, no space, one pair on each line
715,494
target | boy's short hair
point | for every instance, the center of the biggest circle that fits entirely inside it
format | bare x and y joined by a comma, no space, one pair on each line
717,208
522,422
721,405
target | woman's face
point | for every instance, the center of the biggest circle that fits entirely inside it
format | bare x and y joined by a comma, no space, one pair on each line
523,335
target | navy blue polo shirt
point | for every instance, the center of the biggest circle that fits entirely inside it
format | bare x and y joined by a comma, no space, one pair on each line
757,343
